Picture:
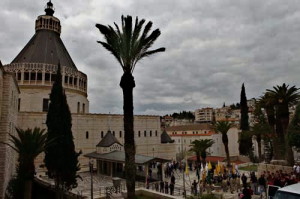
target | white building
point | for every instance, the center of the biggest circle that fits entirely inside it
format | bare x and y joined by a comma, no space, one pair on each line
204,115
185,135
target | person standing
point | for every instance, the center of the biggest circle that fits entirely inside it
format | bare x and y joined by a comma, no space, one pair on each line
244,180
171,188
253,181
261,184
173,179
166,187
194,186
162,184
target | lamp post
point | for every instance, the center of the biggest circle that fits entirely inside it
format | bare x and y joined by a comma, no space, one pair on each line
91,170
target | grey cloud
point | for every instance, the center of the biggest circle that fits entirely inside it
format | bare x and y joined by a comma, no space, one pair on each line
212,48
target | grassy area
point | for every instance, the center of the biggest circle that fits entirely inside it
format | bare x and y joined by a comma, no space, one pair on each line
249,168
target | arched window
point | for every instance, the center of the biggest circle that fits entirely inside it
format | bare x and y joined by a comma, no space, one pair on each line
120,134
145,133
139,133
87,135
156,133
150,133
102,134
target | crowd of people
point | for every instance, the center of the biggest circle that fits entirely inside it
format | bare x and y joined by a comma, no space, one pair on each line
230,180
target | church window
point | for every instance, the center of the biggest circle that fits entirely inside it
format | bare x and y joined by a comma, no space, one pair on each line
75,81
113,133
39,76
47,77
156,133
150,133
78,107
19,104
26,76
145,133
19,76
33,76
120,134
102,134
139,133
71,80
53,77
45,105
83,108
87,135
66,79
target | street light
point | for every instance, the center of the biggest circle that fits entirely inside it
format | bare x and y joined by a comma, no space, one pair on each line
91,162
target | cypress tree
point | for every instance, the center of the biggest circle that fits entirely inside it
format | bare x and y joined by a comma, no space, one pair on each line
61,159
245,145
244,122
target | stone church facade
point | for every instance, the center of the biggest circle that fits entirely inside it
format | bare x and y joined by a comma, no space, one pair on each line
25,85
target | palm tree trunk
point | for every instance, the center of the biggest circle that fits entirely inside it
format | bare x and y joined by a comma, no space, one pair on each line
27,190
127,84
259,151
198,159
227,153
258,139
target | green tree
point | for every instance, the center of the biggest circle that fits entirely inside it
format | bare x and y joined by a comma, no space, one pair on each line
245,140
28,144
199,147
294,129
260,129
284,97
129,45
223,127
61,159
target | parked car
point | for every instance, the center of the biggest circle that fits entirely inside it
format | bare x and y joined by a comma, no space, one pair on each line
288,192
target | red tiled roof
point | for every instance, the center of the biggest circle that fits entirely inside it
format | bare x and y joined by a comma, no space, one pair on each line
201,134
209,158
190,127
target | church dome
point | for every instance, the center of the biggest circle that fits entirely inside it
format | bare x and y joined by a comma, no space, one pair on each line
46,45
36,65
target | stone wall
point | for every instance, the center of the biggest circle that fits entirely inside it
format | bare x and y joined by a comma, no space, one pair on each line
272,168
88,130
8,119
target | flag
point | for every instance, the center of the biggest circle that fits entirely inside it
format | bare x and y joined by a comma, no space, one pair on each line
233,168
209,166
218,168
186,167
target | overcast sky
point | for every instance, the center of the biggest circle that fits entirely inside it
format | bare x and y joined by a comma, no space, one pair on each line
212,47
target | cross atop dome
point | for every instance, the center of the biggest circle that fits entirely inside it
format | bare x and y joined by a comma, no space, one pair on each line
49,8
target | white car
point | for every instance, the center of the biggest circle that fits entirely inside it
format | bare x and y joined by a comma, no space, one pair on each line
288,192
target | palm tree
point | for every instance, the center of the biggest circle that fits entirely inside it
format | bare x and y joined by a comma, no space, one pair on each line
223,127
29,144
284,97
200,147
129,45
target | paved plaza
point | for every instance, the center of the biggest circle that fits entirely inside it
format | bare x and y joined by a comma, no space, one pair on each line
101,182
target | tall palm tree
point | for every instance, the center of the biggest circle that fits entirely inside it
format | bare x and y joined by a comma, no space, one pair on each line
200,147
29,144
223,127
129,45
284,97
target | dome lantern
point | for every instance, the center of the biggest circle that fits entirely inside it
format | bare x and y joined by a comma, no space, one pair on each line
49,9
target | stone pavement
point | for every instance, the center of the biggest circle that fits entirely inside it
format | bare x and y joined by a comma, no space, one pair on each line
100,182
